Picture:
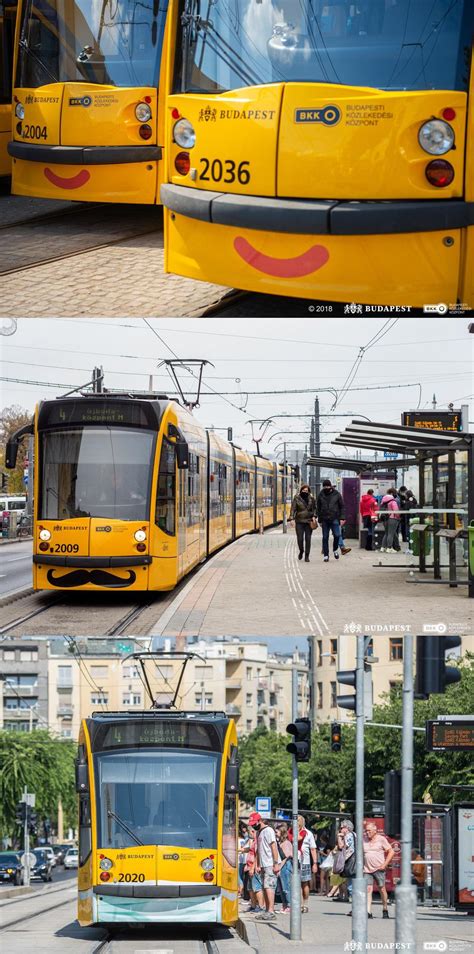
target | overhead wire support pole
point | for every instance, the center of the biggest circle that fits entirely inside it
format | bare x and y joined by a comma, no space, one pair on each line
359,884
295,907
285,520
405,892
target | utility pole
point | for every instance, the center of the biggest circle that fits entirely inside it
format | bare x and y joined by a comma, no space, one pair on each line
359,884
26,838
405,892
284,482
295,911
317,446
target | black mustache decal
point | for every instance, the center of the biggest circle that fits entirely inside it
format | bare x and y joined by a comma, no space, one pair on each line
99,577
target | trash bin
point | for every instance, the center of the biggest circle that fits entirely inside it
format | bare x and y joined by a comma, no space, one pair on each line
378,532
415,542
470,533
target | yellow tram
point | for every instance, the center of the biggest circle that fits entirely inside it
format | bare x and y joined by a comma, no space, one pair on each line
130,492
323,148
87,123
7,33
158,809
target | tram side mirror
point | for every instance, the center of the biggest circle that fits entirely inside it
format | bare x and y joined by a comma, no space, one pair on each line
232,779
82,778
182,455
13,443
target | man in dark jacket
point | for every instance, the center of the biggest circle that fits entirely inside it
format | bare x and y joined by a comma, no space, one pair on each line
331,516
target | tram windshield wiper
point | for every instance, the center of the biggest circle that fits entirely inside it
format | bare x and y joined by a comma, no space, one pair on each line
24,45
112,814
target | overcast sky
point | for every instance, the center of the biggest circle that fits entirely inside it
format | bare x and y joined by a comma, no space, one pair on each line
426,355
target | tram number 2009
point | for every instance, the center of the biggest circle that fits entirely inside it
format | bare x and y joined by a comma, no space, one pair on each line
131,877
34,132
225,170
66,548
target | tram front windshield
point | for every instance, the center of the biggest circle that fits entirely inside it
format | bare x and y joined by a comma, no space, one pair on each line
382,44
96,472
94,41
159,797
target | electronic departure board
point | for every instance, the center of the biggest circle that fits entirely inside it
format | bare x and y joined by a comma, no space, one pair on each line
445,736
433,420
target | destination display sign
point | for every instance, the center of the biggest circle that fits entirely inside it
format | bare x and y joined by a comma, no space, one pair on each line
96,412
160,733
445,736
433,420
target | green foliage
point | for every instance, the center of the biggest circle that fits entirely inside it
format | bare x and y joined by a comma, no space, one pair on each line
45,764
11,418
329,778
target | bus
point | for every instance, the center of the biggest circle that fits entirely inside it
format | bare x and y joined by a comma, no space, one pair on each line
87,122
158,809
130,492
7,35
323,149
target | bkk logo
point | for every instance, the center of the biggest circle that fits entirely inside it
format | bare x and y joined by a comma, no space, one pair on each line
328,115
81,101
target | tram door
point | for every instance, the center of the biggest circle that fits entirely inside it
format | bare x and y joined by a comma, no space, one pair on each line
203,509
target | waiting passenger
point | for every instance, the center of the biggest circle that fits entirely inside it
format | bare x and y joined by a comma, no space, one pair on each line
303,512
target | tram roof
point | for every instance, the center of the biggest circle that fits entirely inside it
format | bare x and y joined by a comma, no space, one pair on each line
100,716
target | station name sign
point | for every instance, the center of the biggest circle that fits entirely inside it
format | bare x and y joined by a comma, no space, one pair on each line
445,736
433,420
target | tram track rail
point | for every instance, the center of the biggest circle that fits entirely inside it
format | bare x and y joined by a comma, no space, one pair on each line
45,908
14,624
114,942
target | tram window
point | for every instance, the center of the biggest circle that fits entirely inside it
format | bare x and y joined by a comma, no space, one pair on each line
229,838
193,503
96,472
163,798
165,514
382,44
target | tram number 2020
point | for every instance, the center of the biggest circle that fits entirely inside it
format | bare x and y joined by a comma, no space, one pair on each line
131,877
34,132
225,170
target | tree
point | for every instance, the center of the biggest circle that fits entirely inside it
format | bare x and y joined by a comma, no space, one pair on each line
329,778
11,418
45,765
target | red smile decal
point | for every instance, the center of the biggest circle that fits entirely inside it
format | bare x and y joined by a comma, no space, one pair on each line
68,182
296,267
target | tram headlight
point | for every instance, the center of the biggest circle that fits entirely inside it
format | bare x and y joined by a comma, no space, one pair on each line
45,534
143,112
106,864
20,111
436,137
184,134
207,864
140,536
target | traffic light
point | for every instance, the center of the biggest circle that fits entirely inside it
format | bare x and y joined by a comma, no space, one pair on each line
348,677
230,434
33,823
21,813
4,482
393,803
432,673
301,746
336,737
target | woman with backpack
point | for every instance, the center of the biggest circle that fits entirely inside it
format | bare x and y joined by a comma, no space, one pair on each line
303,512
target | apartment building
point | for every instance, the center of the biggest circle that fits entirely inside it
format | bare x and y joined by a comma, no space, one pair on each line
331,653
23,685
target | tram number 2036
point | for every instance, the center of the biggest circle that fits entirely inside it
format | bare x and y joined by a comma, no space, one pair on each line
131,877
224,170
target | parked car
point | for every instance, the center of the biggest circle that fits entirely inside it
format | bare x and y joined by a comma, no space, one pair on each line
24,526
60,853
71,859
50,853
42,870
11,868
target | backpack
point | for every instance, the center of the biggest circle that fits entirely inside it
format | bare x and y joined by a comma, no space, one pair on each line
384,507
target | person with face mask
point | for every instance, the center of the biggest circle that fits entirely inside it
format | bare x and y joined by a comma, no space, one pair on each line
331,516
303,512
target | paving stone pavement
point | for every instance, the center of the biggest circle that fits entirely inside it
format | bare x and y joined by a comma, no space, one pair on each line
259,588
326,929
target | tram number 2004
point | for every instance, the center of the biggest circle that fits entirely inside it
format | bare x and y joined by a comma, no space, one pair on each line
224,170
34,132
131,877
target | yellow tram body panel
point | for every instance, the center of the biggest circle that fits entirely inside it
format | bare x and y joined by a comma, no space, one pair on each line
151,883
5,135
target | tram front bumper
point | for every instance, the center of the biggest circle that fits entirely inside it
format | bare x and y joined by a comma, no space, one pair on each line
376,252
150,903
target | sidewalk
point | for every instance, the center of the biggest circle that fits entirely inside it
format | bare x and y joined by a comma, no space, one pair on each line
257,587
326,929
